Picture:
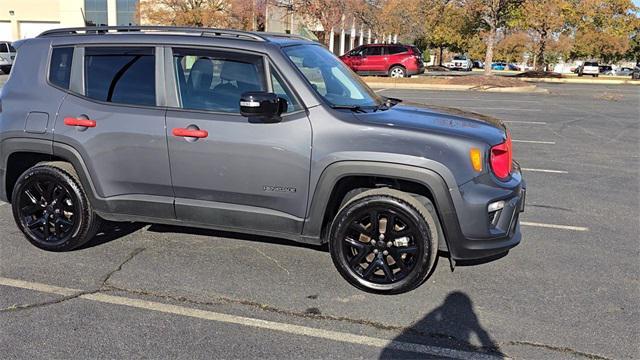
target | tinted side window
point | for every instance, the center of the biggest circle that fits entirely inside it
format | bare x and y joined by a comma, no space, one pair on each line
374,51
120,75
215,80
60,67
396,49
282,91
3,48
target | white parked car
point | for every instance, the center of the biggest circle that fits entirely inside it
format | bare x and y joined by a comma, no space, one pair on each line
7,55
589,68
460,62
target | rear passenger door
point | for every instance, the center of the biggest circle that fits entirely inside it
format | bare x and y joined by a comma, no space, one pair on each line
238,174
111,119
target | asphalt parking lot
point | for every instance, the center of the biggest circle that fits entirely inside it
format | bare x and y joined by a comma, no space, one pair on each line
569,290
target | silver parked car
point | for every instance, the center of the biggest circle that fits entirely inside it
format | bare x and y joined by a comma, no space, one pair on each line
7,56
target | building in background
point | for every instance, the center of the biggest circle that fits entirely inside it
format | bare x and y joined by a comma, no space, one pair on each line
20,19
280,18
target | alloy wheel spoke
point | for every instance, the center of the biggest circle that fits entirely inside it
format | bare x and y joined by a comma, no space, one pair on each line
398,259
362,253
388,274
355,243
36,222
358,227
371,269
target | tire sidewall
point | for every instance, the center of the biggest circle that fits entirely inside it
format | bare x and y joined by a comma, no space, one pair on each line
424,261
404,72
83,218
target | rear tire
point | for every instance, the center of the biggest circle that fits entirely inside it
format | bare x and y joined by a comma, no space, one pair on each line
51,208
397,72
384,241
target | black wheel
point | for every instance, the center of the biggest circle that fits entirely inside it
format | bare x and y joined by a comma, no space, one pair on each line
397,72
52,210
5,69
384,241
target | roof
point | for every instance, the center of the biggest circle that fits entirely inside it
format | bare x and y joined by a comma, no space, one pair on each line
277,38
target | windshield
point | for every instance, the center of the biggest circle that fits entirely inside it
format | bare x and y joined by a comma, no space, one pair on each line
331,78
11,49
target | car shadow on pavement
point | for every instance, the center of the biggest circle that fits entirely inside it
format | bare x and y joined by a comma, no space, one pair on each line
110,231
452,325
159,228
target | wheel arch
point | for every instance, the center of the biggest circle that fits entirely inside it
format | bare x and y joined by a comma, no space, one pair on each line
340,178
19,154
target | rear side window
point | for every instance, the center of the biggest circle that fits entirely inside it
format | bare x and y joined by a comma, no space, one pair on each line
215,80
396,49
120,75
60,67
590,63
373,51
4,48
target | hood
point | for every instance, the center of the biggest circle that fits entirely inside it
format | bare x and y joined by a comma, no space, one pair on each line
438,119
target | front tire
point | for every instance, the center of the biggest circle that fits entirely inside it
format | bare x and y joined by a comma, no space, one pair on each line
397,72
51,208
384,241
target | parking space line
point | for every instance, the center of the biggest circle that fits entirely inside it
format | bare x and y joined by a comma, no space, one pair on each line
554,226
546,171
525,122
534,142
498,108
253,322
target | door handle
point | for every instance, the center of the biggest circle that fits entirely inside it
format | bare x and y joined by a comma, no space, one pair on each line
87,123
190,133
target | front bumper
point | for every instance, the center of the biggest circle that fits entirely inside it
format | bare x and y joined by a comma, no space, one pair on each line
485,234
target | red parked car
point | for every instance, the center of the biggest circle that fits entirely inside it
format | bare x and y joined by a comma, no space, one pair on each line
394,60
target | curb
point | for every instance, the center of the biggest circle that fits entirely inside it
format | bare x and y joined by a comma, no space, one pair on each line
583,81
410,86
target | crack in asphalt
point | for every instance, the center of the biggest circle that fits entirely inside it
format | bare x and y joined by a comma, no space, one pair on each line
104,286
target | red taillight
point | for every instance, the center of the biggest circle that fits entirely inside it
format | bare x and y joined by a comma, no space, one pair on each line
502,159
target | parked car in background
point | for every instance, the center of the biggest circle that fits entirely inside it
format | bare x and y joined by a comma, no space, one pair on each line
514,67
478,64
635,75
460,62
7,55
394,60
498,66
623,71
605,69
589,68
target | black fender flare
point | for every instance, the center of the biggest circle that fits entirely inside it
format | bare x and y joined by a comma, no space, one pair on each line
430,179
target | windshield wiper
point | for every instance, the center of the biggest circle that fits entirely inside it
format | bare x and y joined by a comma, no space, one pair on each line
354,108
388,103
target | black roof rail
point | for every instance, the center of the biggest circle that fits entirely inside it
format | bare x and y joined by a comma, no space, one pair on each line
90,30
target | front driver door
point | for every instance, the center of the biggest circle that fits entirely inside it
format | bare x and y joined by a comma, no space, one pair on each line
228,172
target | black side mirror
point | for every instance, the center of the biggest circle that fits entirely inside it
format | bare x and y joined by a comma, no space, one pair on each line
262,106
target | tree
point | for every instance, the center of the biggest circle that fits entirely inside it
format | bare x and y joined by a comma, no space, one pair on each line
512,47
199,13
602,28
239,14
492,16
543,19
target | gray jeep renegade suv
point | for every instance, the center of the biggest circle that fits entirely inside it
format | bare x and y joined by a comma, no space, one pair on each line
248,132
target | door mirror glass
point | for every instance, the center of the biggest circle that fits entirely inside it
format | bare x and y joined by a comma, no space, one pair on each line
262,106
